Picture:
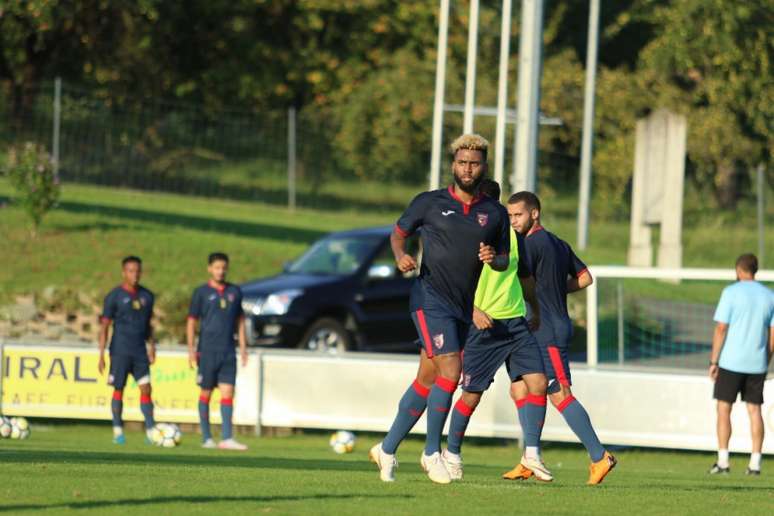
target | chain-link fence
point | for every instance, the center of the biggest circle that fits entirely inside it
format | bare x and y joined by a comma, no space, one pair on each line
277,157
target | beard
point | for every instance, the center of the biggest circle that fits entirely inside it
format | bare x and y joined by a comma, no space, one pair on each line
471,188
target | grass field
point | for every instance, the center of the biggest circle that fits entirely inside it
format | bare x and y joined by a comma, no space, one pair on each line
63,468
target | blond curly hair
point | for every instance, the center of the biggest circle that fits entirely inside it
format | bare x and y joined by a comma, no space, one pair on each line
470,142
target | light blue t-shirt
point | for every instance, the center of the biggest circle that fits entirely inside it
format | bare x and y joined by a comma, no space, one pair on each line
748,309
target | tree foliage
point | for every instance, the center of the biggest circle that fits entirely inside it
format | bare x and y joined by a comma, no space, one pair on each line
365,69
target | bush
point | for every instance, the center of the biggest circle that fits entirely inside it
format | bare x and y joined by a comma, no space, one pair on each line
31,172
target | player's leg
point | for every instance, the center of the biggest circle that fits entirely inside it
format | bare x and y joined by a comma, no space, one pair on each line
753,396
528,390
117,379
727,388
461,414
226,382
410,408
206,379
141,374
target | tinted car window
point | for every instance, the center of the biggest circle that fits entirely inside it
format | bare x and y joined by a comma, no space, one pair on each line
413,247
336,255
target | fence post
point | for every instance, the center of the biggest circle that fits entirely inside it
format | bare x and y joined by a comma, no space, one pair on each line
761,219
592,325
57,122
619,296
291,158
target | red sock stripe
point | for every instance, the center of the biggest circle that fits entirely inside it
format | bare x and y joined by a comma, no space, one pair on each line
536,400
204,399
229,402
564,403
420,389
118,395
425,333
556,361
463,408
520,403
145,399
446,384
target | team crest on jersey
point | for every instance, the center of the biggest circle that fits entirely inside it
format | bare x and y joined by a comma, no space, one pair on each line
230,298
111,379
483,218
466,380
438,340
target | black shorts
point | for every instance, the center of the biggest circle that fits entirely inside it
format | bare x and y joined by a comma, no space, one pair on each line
216,368
121,366
508,342
729,384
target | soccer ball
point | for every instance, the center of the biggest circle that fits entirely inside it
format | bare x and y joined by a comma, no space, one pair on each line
166,435
342,441
20,428
5,427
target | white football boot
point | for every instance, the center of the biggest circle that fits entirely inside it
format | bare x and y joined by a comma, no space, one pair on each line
435,468
538,468
385,462
453,464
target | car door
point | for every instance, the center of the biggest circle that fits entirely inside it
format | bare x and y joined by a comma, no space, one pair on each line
382,300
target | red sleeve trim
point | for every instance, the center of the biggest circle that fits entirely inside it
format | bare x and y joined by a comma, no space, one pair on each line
582,272
193,317
105,319
401,231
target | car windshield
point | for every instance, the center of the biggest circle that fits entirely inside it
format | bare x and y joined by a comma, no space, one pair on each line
336,255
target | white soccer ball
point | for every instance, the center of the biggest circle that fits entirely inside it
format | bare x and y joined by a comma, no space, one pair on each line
342,441
20,428
5,427
166,435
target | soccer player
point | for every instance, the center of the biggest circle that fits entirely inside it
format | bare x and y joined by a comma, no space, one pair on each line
217,305
742,346
129,309
500,334
558,271
460,230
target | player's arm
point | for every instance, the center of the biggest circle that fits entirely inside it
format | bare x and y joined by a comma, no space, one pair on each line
528,289
150,341
242,340
580,282
194,312
108,314
104,328
407,224
497,255
718,338
481,319
771,342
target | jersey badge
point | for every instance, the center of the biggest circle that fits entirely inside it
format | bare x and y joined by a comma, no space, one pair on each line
438,340
483,218
447,213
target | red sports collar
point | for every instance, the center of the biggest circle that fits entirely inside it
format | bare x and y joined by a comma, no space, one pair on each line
465,206
535,229
127,288
219,288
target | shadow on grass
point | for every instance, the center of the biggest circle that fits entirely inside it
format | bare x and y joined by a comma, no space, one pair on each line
278,196
176,459
227,227
135,502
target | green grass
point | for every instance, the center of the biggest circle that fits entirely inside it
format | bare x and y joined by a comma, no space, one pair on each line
62,468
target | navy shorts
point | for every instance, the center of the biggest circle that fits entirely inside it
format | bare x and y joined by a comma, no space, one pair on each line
441,328
216,368
123,365
553,337
508,342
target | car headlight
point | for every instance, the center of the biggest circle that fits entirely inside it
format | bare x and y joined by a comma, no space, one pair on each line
277,303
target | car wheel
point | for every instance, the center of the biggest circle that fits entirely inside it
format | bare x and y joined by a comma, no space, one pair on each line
326,336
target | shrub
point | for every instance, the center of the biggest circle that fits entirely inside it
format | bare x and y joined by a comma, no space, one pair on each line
31,173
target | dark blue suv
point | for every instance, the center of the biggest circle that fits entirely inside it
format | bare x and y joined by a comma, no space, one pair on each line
343,294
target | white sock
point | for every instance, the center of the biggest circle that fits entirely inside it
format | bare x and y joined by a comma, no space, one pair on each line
117,430
755,461
723,458
532,452
149,433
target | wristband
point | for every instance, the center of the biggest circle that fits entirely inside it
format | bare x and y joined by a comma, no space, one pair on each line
713,363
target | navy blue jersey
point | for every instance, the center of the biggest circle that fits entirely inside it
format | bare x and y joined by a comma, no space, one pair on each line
131,312
451,232
553,262
218,310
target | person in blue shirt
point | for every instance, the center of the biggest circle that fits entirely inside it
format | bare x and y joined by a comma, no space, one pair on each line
741,351
217,306
128,308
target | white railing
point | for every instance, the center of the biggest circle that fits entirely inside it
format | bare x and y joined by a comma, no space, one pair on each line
623,272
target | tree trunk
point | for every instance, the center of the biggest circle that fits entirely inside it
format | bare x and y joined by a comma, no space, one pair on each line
727,184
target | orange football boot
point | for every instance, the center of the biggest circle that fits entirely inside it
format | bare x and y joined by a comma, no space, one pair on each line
599,470
518,473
